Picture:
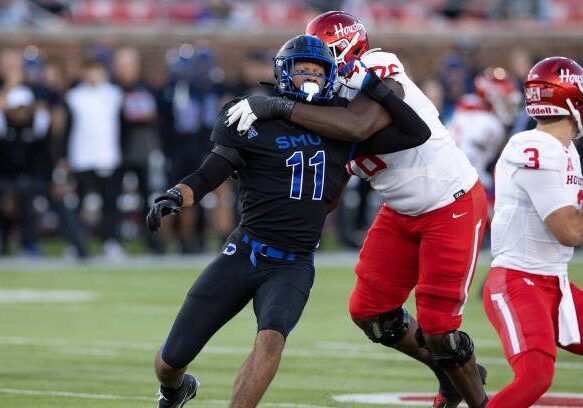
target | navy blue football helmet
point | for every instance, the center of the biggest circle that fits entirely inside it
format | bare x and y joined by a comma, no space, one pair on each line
304,48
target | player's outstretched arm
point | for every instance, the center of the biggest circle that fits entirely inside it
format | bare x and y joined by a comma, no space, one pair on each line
379,105
216,168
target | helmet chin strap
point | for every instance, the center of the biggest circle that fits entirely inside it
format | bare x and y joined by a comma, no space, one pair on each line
577,116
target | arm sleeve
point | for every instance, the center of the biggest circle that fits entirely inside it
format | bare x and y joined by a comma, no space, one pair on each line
231,154
389,140
212,172
403,116
545,188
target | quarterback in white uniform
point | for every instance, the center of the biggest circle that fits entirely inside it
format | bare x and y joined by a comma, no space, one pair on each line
537,222
428,231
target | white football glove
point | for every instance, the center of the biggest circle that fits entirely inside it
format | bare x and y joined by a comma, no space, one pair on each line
241,112
358,75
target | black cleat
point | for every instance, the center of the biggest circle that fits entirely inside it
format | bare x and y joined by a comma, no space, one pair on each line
185,393
448,396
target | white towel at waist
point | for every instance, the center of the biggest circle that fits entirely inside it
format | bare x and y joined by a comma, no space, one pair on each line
568,325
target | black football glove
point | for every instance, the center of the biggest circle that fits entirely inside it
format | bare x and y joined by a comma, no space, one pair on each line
168,203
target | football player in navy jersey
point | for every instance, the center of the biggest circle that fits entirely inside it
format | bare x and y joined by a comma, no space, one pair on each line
289,179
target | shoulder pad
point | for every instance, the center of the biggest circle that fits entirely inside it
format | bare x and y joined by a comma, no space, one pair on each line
385,64
227,105
535,150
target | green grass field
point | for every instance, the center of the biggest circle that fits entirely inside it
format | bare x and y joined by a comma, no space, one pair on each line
98,352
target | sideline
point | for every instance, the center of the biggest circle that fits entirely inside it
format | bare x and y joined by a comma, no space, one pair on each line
323,259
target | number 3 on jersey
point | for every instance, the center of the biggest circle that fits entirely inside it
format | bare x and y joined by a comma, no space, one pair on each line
533,158
296,162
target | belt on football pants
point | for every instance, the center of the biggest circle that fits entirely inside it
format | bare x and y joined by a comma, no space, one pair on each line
259,248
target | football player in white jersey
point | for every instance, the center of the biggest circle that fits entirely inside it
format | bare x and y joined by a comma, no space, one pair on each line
426,235
481,122
480,119
537,222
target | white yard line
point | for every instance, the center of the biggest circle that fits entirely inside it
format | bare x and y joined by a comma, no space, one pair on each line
26,295
318,351
72,395
80,395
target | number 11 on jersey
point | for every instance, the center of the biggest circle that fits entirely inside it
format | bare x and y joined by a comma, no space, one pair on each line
296,162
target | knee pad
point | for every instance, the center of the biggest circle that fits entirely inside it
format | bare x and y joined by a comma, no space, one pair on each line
388,328
458,347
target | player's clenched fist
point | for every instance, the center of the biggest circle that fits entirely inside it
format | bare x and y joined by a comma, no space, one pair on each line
168,203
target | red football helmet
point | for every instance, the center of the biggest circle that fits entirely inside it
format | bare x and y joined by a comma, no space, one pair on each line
554,87
499,91
344,34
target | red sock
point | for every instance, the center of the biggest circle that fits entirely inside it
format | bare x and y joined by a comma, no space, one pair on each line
533,376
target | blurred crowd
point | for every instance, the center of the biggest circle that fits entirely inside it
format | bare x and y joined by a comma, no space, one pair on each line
82,154
270,13
85,146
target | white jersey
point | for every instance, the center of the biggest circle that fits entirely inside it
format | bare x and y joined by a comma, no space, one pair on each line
418,180
94,143
479,133
520,238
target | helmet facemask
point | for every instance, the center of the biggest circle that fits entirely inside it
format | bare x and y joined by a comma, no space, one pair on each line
309,91
344,54
575,114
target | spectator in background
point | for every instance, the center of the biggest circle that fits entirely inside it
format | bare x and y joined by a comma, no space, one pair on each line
189,105
455,77
23,131
26,161
26,168
520,63
255,69
139,127
93,147
14,13
57,7
522,10
481,120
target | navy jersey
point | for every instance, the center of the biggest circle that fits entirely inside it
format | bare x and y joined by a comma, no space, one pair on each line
289,178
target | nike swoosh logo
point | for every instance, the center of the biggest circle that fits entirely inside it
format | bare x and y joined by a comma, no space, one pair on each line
454,215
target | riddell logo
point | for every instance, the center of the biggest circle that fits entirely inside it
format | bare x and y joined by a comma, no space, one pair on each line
342,31
542,110
566,76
